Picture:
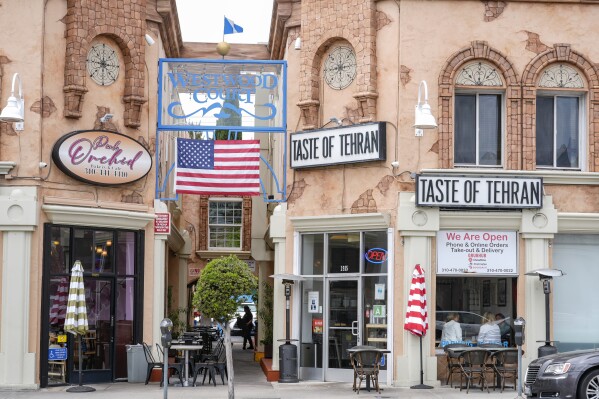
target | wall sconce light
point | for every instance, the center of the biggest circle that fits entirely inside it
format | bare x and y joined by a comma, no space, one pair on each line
149,40
15,107
424,118
298,43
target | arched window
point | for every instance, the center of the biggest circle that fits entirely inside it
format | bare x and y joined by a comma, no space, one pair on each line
560,117
478,116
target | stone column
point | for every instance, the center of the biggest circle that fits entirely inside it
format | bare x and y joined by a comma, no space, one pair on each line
18,219
538,227
417,228
277,233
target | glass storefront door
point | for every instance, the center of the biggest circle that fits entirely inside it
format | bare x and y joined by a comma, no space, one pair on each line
97,343
343,327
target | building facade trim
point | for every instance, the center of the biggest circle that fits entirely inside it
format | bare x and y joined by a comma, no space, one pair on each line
365,221
111,218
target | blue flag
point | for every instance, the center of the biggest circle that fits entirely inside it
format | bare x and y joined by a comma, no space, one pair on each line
230,27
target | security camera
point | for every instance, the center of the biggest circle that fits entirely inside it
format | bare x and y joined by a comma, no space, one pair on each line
106,118
43,165
395,164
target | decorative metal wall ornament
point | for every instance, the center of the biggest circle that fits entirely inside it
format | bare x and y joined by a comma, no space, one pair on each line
340,67
479,74
102,64
561,76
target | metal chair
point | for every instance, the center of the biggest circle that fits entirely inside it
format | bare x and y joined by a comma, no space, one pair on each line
473,364
153,364
505,365
366,363
453,362
178,367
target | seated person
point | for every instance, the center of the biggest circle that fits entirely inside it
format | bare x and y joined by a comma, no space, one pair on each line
452,331
489,332
504,328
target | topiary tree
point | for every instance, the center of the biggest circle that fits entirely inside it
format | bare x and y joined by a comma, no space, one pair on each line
221,283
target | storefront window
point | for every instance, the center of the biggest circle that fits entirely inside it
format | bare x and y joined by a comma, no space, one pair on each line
312,254
94,249
375,252
469,299
344,253
59,250
574,327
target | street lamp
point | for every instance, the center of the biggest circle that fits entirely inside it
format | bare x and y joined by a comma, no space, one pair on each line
546,275
15,107
423,118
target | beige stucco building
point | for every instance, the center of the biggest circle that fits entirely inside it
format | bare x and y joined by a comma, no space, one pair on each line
505,185
85,196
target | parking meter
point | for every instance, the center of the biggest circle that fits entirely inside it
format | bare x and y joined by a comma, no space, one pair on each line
519,325
166,326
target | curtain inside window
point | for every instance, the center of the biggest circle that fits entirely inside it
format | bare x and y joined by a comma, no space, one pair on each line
567,132
465,129
544,131
489,125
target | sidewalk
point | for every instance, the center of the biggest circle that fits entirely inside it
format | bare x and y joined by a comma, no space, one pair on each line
250,383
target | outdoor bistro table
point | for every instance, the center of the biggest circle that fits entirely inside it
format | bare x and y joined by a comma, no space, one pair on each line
459,350
358,348
186,349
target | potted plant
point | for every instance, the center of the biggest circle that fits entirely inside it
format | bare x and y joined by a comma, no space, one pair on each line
265,313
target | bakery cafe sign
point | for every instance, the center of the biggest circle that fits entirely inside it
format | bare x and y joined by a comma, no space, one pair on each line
347,144
101,157
479,192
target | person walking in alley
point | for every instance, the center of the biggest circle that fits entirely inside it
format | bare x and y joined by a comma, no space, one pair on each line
246,325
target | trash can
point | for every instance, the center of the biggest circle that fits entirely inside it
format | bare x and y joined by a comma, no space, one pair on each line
137,366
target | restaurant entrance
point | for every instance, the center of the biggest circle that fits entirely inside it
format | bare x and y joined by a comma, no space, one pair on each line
112,276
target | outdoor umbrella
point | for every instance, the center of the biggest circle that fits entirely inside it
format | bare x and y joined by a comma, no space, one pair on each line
417,316
76,320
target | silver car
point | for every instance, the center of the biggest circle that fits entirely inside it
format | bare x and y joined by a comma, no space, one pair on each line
564,375
469,322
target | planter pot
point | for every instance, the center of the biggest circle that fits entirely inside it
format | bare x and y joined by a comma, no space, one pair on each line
268,351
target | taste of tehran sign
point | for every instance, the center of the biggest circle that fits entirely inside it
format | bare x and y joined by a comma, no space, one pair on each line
101,157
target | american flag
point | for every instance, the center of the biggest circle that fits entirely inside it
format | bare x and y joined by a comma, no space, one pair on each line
218,167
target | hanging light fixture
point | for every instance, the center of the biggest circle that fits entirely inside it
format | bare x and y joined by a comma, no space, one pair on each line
15,107
424,118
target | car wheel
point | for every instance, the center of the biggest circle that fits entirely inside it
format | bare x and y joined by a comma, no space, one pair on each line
589,387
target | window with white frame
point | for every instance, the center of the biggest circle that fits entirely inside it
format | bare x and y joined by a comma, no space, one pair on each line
559,118
224,224
478,128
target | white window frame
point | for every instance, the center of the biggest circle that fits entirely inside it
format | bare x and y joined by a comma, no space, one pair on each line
582,126
210,225
477,164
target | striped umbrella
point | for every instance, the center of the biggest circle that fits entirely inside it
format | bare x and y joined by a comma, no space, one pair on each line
76,320
417,316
